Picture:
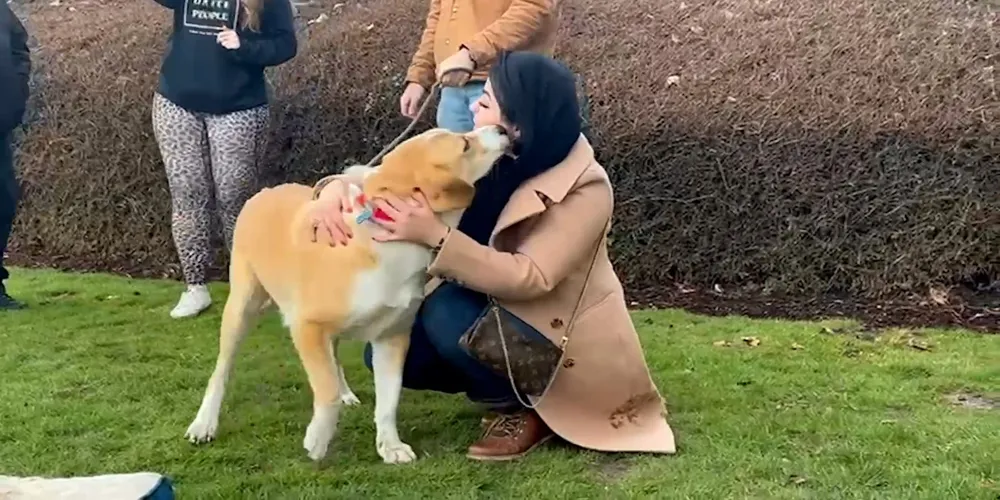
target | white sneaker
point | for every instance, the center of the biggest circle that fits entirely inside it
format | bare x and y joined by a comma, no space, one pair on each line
193,301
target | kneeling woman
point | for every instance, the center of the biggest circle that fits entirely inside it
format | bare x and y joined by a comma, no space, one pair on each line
534,239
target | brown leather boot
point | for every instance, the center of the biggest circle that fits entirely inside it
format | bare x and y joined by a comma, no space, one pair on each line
488,419
511,436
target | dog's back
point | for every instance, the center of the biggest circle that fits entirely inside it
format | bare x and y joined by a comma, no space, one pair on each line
344,288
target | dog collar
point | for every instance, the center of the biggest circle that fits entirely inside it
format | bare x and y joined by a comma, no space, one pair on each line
369,212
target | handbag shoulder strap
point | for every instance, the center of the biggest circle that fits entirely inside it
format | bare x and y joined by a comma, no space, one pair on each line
583,290
569,327
586,283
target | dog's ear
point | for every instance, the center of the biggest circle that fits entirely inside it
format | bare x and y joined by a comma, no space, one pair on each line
444,191
392,176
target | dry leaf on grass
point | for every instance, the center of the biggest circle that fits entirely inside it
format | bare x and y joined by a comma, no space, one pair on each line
797,480
918,344
975,401
751,341
797,346
721,343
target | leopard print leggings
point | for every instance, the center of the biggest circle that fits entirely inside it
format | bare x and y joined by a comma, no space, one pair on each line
208,158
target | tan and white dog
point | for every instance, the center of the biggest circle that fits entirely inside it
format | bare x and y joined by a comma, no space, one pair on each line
366,290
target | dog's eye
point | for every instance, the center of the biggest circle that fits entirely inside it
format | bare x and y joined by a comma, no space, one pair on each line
468,145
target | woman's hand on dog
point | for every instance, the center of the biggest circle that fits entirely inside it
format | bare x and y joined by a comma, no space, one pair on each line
412,220
328,215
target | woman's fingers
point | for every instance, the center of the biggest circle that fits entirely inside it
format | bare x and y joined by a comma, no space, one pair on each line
419,199
334,221
384,235
393,210
414,203
338,218
314,230
334,238
345,232
345,205
390,201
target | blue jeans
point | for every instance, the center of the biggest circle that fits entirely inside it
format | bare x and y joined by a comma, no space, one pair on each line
454,111
436,361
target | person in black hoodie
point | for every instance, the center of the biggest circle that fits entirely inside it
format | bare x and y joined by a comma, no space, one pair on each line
210,118
15,68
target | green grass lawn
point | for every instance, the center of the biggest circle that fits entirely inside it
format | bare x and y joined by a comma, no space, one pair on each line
98,379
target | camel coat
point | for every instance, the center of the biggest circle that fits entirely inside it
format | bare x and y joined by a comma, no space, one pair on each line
602,396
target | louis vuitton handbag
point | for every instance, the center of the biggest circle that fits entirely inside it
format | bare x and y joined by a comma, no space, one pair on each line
498,340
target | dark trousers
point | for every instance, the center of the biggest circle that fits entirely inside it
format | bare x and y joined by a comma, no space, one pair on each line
9,192
436,361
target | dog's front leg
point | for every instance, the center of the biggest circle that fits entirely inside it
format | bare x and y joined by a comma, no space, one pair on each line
318,360
388,356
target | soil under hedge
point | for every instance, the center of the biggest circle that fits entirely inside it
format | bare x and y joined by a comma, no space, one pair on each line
797,146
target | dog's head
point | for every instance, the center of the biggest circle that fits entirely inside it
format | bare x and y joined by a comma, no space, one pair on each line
443,165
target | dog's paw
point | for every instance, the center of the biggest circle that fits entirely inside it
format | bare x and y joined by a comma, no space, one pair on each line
350,399
318,436
202,430
395,453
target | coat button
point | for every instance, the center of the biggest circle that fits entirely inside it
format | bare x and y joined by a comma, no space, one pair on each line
569,363
556,323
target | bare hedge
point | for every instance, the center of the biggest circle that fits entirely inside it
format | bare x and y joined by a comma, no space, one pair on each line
795,146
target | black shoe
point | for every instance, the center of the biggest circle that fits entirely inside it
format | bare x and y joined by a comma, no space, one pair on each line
7,303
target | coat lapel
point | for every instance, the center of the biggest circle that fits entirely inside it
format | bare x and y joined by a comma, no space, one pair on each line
528,200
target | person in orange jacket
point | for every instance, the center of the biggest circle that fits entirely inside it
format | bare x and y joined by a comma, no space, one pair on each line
460,43
15,69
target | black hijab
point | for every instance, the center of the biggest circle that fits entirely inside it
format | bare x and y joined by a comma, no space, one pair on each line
537,95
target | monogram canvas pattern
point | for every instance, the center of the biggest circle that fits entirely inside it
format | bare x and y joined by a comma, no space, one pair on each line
532,362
